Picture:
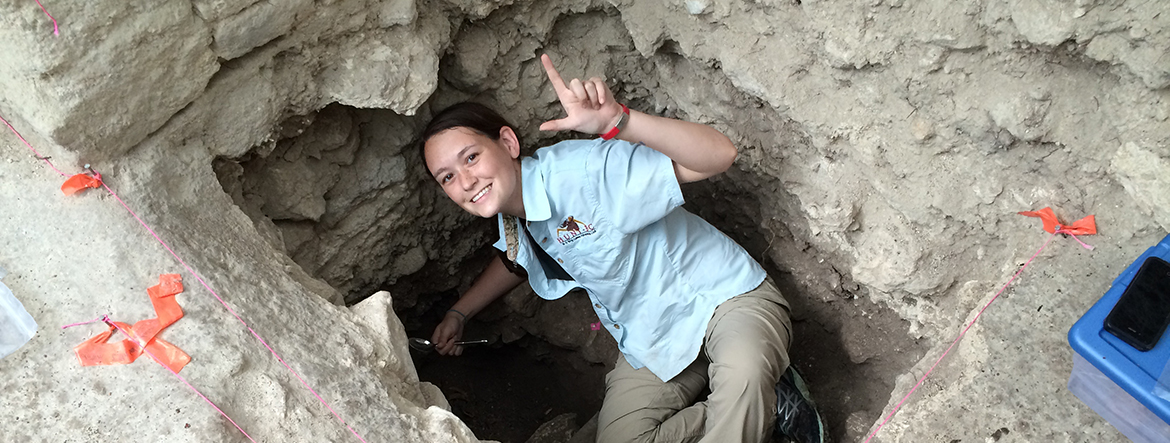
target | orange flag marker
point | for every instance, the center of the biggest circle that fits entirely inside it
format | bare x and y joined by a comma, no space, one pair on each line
79,182
98,351
1084,226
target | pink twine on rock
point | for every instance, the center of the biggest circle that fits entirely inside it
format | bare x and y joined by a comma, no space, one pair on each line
30,146
205,285
102,318
50,17
960,337
176,374
230,310
1060,230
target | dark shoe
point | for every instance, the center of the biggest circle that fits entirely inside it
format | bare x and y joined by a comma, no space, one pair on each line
796,414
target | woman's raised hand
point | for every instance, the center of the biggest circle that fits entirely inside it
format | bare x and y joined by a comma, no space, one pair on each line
589,105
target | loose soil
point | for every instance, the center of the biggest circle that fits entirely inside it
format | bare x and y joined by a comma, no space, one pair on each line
504,392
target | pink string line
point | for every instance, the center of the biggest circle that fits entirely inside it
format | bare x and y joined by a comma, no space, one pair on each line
232,311
201,281
50,17
30,146
960,337
102,318
176,374
1060,230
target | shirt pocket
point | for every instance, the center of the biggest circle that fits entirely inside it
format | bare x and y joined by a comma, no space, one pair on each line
602,255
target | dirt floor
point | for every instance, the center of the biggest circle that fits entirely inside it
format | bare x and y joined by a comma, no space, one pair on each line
505,391
850,388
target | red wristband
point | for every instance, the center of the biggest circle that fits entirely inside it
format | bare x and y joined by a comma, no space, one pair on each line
621,123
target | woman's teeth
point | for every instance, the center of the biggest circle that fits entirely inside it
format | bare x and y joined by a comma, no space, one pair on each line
481,194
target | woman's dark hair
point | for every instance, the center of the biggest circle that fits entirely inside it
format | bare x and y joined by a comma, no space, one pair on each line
470,115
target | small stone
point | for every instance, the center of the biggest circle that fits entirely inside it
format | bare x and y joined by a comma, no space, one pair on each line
921,129
697,7
1142,171
1039,94
559,429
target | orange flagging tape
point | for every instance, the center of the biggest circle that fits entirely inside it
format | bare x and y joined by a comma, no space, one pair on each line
79,182
1084,226
98,351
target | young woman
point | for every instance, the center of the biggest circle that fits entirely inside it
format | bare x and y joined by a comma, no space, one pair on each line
689,307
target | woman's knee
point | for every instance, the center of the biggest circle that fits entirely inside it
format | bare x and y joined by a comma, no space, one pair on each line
748,375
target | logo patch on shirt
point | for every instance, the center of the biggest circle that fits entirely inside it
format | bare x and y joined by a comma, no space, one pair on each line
572,229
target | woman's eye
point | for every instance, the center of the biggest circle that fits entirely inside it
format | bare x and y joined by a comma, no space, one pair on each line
446,178
472,157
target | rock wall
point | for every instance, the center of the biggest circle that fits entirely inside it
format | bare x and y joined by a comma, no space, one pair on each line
886,146
150,94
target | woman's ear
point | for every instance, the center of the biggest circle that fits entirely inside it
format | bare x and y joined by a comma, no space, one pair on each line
510,141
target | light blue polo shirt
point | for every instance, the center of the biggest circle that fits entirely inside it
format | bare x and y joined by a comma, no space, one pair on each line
610,213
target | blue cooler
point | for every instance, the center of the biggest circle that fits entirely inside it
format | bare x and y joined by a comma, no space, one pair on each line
1114,379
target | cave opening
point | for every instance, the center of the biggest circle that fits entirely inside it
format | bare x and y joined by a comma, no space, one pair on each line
343,193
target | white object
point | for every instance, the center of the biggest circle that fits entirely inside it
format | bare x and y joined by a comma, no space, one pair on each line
16,325
1109,400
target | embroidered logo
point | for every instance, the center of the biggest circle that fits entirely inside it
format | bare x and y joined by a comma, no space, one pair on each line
572,229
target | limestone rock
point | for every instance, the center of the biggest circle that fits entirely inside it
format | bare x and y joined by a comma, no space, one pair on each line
558,430
587,433
1146,61
1022,117
1143,170
921,129
239,108
886,259
561,321
117,72
376,312
1046,22
255,25
294,190
214,10
397,12
600,348
475,55
376,73
357,362
410,262
523,300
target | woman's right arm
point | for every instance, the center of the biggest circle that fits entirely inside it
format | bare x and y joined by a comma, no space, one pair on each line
495,281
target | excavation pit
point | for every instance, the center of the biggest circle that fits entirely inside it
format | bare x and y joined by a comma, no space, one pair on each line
849,348
885,150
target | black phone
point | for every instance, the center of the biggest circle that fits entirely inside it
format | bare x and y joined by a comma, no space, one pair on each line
1143,311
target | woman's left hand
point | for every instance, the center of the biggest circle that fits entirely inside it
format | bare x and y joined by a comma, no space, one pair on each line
589,105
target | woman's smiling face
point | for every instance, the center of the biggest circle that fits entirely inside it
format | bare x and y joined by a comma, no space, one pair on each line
479,174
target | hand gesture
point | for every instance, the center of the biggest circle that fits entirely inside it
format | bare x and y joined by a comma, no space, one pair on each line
447,333
589,105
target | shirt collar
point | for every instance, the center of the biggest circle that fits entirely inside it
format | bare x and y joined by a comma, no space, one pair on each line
536,207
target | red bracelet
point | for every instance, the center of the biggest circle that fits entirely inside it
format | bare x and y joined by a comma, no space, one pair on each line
617,127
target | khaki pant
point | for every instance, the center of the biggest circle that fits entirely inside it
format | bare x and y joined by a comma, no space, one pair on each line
745,350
